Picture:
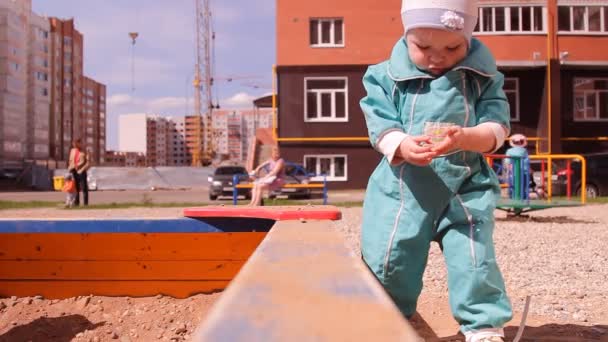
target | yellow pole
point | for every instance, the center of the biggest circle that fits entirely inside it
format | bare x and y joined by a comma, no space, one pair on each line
549,98
274,104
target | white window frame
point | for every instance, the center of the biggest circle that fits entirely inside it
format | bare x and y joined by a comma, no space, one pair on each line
332,35
332,167
333,117
507,29
603,18
597,92
515,91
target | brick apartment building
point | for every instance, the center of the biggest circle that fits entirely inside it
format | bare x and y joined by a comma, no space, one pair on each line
553,55
41,89
24,84
234,130
94,118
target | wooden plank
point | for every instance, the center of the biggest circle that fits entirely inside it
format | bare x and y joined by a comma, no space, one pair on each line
120,270
303,284
317,186
155,225
129,246
290,185
279,213
65,289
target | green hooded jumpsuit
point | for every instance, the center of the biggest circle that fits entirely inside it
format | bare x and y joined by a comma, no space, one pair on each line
451,201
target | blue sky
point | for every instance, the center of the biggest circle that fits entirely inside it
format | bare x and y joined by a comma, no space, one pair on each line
164,52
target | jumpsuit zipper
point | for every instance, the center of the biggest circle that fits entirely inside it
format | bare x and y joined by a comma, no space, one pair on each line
401,195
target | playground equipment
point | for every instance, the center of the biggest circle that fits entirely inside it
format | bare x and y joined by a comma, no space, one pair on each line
517,176
59,258
301,283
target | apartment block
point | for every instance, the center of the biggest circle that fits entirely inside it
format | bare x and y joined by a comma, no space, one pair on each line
38,89
124,159
234,130
194,133
162,140
24,84
551,53
93,114
157,140
66,82
177,150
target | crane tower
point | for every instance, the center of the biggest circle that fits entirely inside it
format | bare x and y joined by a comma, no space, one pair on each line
203,82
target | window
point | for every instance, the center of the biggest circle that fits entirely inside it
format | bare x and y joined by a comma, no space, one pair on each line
514,19
587,19
327,32
325,99
511,89
590,99
43,34
332,166
42,76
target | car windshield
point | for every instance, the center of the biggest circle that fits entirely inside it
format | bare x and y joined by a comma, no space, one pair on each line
230,170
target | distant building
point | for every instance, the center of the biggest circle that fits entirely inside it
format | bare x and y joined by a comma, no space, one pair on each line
24,84
162,140
66,82
234,130
124,159
177,152
94,118
171,141
132,132
41,89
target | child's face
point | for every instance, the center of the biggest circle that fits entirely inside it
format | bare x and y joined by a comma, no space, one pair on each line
435,50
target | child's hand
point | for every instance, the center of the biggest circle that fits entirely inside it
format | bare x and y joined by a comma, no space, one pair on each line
452,141
417,150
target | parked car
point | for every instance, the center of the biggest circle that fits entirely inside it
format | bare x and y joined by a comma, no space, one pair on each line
294,174
597,177
220,183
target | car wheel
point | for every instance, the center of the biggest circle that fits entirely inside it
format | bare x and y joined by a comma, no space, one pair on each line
592,191
212,197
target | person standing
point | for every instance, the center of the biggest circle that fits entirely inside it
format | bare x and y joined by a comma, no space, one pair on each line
78,166
432,109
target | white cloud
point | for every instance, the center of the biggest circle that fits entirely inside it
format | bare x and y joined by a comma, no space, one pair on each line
119,104
119,100
238,100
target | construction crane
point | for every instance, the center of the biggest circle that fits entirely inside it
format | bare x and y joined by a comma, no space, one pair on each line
203,152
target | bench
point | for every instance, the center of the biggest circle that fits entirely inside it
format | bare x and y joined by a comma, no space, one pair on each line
303,284
235,181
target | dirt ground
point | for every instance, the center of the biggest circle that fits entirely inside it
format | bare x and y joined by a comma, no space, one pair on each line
557,256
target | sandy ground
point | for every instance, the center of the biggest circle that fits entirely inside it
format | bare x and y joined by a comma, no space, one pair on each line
557,256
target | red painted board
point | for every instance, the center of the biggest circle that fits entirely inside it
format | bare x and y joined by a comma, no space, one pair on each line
278,213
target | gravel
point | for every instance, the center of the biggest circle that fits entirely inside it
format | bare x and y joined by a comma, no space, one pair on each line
556,256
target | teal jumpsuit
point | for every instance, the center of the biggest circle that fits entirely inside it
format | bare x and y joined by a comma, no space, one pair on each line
451,201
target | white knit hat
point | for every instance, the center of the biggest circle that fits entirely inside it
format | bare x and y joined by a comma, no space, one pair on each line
451,15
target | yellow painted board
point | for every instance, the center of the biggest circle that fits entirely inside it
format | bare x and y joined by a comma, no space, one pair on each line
317,186
129,246
120,270
65,289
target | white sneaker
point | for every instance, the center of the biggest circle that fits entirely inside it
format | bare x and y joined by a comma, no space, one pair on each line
491,339
485,335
